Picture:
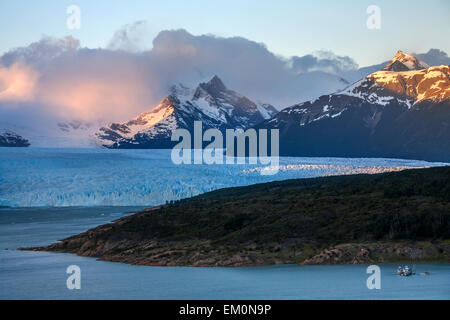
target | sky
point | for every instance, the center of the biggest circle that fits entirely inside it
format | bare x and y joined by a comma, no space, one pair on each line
127,54
286,27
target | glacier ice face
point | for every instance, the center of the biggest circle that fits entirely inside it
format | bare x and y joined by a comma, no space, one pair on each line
34,177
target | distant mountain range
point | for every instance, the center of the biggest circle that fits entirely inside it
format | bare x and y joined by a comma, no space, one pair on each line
401,111
210,102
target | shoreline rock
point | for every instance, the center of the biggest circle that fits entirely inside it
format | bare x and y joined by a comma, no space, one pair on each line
349,253
381,253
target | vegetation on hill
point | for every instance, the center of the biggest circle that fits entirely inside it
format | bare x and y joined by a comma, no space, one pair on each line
344,219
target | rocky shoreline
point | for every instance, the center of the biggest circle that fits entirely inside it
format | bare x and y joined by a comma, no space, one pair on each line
382,252
188,254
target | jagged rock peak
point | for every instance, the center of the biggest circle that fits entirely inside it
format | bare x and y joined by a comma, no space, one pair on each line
404,62
213,87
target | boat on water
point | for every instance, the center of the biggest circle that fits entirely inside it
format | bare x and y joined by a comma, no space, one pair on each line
404,271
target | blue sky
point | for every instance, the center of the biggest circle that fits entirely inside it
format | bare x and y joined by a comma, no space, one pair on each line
286,27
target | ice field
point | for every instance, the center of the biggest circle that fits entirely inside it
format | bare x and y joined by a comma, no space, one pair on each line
34,177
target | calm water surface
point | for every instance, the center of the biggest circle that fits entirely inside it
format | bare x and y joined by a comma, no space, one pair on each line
41,275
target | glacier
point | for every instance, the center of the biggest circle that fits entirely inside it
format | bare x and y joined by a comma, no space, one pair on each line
39,177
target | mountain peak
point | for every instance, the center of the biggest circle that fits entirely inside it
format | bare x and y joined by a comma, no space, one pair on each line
215,84
211,102
400,54
404,62
216,80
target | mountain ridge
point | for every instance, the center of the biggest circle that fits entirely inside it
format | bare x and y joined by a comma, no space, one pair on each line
395,114
210,102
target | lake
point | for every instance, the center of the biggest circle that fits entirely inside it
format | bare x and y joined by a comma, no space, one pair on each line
42,275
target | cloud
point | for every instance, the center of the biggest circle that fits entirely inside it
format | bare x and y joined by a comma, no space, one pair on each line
41,52
131,37
67,81
75,82
93,84
245,66
435,57
325,61
17,83
60,79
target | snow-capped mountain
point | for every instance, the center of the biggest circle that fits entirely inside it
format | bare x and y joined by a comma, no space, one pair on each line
400,111
404,62
11,139
411,86
210,102
434,57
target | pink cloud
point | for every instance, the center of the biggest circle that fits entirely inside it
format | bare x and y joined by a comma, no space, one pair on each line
17,82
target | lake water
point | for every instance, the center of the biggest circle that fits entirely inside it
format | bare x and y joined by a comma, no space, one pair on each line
42,275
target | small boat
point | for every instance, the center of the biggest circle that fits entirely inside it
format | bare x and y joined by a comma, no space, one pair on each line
405,271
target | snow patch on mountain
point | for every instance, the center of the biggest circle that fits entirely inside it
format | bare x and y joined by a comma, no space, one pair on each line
409,87
266,110
405,81
210,102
